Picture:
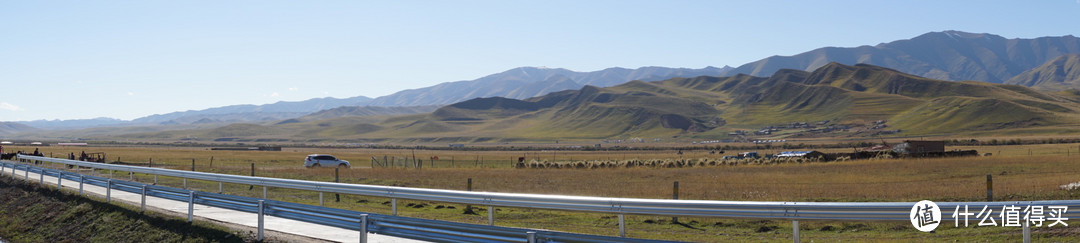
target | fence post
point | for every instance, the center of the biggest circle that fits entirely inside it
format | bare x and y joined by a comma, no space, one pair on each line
262,209
336,180
251,187
989,188
468,187
192,164
675,196
363,228
795,231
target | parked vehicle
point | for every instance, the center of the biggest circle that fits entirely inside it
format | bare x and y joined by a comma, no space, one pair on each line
321,160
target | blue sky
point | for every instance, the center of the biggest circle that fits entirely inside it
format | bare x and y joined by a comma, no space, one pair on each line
128,59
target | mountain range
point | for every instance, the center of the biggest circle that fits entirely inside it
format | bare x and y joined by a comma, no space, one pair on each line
1045,63
1058,74
704,107
947,55
528,82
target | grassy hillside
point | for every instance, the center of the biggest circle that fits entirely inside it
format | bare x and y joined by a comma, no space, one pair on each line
34,214
7,128
1058,74
705,107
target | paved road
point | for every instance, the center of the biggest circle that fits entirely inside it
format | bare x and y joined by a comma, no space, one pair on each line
286,226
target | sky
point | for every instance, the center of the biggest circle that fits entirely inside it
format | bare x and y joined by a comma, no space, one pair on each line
129,59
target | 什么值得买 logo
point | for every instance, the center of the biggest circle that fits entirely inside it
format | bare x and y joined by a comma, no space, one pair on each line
925,216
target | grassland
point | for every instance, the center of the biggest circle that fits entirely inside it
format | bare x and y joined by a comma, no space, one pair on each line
1027,172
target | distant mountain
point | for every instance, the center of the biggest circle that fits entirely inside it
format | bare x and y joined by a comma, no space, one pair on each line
74,124
528,82
8,128
706,107
833,92
252,113
948,55
1058,74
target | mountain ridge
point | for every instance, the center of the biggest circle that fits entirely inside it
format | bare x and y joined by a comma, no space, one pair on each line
1058,74
946,55
710,107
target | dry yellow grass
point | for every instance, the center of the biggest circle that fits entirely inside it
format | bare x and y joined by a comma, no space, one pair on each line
1017,176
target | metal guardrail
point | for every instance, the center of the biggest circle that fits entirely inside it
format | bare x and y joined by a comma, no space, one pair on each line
795,211
403,227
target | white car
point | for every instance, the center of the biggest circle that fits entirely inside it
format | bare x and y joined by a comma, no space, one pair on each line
320,160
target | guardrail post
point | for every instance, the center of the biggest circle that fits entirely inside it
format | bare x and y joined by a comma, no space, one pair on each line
622,226
191,206
108,191
1027,231
185,183
321,199
81,179
59,179
262,208
220,187
393,206
131,176
530,236
143,205
155,180
363,228
41,174
491,215
795,231
264,192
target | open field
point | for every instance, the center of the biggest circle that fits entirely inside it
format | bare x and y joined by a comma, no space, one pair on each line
1017,176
